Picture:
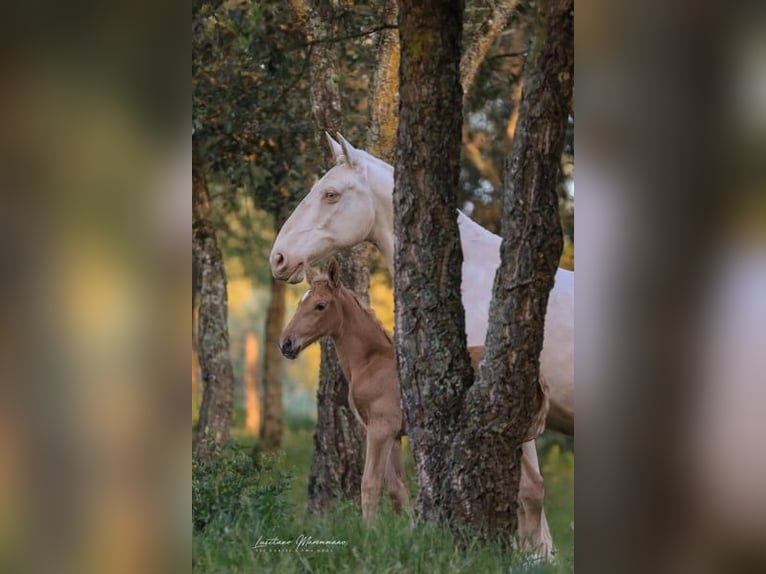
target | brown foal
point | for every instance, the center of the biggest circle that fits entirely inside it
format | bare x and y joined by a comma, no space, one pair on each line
366,354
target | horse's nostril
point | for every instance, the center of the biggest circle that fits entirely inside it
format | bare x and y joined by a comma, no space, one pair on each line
279,259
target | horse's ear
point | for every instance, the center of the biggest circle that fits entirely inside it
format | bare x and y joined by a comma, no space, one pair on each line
349,151
333,273
309,272
335,147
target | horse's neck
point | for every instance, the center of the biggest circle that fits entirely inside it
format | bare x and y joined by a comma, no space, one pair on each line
474,238
359,338
381,177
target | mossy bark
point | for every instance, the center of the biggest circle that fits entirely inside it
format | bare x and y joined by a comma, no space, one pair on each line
384,90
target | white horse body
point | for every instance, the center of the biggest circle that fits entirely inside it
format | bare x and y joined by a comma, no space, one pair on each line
481,258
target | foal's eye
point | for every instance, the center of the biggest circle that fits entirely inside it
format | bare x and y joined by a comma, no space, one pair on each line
331,196
320,306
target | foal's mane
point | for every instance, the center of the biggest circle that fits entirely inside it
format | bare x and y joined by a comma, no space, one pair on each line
371,314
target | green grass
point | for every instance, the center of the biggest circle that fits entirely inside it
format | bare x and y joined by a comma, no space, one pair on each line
393,545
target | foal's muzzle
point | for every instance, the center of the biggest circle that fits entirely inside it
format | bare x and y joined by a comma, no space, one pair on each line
289,349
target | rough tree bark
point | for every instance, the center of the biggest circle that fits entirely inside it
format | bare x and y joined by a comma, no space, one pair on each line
466,435
338,462
433,363
499,407
252,398
271,431
213,337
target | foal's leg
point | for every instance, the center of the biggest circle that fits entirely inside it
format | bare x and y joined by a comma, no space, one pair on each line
533,526
379,442
397,488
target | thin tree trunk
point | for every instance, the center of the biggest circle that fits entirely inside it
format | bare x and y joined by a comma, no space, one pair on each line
384,91
482,41
434,368
272,430
252,398
338,463
213,337
499,407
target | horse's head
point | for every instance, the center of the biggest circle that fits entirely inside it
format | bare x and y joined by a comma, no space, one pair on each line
338,212
318,313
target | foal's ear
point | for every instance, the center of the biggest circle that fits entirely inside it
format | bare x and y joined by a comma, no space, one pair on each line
335,147
333,273
309,272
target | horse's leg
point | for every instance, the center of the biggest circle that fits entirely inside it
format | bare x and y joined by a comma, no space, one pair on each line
379,441
533,526
397,488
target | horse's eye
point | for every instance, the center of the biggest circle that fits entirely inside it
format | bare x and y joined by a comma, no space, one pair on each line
320,306
331,196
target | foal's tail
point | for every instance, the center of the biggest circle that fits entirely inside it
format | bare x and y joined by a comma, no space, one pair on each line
542,404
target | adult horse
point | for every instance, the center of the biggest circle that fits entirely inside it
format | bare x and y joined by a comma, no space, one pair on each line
353,202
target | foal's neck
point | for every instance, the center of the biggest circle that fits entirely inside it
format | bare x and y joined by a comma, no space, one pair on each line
360,337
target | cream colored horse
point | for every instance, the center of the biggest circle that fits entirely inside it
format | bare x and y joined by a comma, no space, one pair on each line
366,355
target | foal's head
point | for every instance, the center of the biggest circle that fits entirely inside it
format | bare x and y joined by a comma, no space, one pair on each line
318,312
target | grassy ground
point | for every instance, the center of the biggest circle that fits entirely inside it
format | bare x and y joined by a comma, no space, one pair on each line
392,545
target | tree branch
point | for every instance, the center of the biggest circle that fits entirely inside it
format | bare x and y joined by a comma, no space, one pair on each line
482,41
353,36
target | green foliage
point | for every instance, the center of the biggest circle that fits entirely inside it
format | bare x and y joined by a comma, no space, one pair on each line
394,544
232,483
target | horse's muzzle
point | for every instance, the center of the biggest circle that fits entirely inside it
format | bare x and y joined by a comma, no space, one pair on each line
289,349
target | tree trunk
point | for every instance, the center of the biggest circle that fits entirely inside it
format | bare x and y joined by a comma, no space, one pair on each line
213,337
252,399
339,440
466,435
271,432
384,91
434,368
499,408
